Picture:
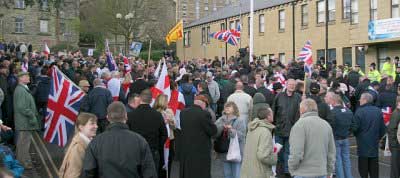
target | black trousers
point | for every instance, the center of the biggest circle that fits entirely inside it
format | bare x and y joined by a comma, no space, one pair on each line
368,166
395,163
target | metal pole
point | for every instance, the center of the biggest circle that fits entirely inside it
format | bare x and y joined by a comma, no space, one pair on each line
326,30
293,31
226,44
240,19
251,30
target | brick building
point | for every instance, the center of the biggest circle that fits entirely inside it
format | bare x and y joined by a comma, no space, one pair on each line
357,30
37,24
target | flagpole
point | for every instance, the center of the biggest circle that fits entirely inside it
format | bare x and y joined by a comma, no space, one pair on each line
148,61
251,30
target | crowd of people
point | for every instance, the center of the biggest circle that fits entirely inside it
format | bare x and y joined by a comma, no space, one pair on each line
279,120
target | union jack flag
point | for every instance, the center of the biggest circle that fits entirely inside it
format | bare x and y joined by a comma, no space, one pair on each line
231,36
110,59
62,109
306,56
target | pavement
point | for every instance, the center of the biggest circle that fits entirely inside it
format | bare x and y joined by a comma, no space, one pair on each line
47,158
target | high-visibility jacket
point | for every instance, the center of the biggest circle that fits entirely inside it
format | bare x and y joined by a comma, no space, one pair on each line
374,76
388,69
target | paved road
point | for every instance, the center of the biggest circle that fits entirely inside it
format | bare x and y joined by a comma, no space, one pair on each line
49,157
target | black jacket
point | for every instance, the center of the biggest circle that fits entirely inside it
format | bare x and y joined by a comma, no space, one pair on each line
97,102
118,153
195,143
149,123
269,96
353,78
138,86
249,90
43,88
323,109
342,121
286,112
368,128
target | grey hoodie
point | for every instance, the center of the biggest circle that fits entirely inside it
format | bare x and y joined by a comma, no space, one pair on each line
258,102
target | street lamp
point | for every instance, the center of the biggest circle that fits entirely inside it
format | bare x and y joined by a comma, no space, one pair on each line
127,17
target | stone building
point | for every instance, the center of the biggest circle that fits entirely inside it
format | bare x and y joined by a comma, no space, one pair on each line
192,10
37,24
359,31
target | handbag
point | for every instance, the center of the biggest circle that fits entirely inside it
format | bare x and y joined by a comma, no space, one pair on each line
234,150
221,144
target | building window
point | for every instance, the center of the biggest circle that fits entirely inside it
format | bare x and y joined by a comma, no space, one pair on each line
45,4
374,10
231,25
346,9
320,11
282,20
354,11
203,35
185,38
331,54
208,34
261,23
19,25
321,54
188,39
271,56
395,9
223,26
331,10
282,57
347,56
237,23
20,4
304,15
44,26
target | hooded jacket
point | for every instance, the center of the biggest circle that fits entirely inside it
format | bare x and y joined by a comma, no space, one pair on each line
258,152
258,102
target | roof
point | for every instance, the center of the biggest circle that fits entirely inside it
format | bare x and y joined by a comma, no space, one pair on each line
234,10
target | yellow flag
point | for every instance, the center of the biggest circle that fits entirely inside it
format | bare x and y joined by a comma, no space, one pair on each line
175,33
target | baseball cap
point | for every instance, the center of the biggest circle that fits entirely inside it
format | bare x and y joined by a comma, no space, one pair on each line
314,88
20,74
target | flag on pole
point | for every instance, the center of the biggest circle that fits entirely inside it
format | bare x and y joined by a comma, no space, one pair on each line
175,33
62,109
306,56
231,37
162,86
46,49
157,71
110,60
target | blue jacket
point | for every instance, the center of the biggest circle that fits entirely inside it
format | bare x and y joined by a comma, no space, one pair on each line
96,102
368,128
10,162
341,124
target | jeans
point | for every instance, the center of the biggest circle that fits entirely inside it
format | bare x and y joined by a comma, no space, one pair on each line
309,177
368,166
283,155
232,169
343,163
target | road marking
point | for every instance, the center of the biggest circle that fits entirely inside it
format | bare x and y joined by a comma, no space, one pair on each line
55,169
42,159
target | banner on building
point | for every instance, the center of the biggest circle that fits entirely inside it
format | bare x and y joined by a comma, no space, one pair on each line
383,29
135,49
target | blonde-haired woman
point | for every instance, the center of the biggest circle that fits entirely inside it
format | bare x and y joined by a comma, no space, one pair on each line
230,123
85,131
161,105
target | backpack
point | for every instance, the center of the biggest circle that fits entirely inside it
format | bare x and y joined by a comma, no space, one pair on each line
221,144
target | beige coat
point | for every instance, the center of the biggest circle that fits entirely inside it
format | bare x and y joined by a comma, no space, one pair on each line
258,156
73,159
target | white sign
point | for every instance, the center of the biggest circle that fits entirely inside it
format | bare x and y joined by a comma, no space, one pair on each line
90,52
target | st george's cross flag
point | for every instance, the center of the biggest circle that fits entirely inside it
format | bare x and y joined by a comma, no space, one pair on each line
46,49
62,109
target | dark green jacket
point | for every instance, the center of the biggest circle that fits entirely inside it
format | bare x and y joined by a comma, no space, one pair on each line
25,112
393,128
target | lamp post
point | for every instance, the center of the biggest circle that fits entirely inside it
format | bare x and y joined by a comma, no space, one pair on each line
127,29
